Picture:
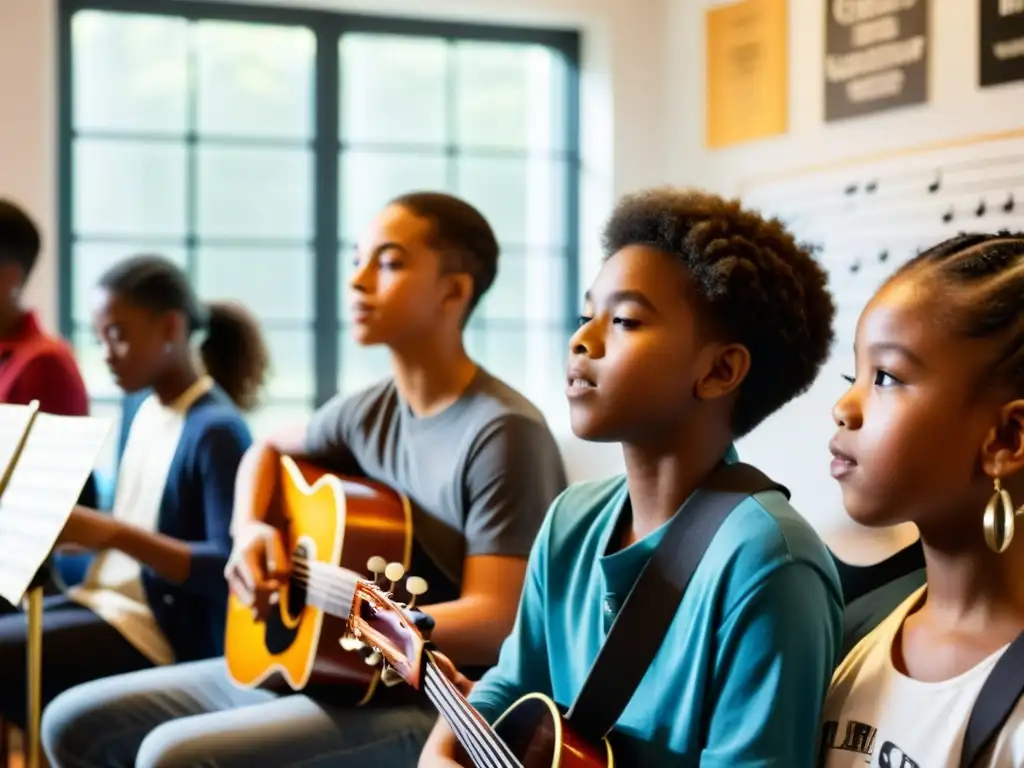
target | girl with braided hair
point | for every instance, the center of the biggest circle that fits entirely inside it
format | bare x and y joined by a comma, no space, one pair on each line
931,432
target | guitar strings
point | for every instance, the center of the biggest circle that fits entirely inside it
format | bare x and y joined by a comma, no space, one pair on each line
325,585
494,747
464,732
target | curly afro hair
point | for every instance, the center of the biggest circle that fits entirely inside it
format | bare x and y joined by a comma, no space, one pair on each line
757,284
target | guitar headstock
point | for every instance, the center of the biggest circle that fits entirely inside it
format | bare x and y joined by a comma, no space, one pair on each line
383,629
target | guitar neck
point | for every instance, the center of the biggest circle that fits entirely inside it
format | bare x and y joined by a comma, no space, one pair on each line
333,591
475,734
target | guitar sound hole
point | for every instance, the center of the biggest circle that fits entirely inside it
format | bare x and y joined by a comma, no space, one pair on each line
281,628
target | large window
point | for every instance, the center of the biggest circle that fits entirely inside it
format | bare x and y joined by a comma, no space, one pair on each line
251,145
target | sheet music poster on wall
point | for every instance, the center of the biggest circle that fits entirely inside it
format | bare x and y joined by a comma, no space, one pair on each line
868,219
876,56
1001,47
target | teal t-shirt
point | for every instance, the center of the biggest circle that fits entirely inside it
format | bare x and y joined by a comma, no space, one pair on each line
742,675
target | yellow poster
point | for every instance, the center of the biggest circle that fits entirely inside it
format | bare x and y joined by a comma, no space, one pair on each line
747,72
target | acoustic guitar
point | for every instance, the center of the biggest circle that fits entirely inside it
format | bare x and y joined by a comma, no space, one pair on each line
532,733
326,519
331,625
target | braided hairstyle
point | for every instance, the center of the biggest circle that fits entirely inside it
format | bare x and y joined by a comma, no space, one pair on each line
982,277
758,286
233,350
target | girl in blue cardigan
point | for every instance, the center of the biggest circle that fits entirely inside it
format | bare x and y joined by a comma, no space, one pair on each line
155,593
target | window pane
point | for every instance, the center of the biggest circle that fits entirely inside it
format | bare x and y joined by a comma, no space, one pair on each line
370,179
276,283
89,355
130,71
524,200
393,89
531,287
271,418
131,188
511,96
359,366
531,358
251,193
255,79
90,260
291,364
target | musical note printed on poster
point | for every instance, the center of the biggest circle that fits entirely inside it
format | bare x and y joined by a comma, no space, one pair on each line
50,468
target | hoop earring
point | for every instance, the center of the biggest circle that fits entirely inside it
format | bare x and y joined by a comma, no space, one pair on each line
999,524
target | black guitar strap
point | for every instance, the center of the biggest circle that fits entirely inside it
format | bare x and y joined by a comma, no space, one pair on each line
999,696
653,601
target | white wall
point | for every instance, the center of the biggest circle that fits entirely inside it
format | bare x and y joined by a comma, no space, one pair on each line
793,444
28,129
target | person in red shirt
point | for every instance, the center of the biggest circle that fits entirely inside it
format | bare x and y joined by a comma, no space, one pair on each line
33,364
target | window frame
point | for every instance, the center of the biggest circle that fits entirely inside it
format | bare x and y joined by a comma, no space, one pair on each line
328,28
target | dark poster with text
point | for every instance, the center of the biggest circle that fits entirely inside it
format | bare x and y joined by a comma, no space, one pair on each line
876,56
1002,41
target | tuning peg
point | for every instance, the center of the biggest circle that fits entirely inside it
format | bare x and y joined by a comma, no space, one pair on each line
376,565
349,643
373,659
393,573
415,586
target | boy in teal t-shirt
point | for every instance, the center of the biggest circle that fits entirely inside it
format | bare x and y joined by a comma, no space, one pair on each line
704,320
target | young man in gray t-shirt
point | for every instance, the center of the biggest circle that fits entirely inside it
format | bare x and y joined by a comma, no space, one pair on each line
476,460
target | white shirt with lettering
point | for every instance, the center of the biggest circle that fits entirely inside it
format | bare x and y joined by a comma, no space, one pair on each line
876,716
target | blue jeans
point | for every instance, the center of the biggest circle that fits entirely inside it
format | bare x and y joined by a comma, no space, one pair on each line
193,715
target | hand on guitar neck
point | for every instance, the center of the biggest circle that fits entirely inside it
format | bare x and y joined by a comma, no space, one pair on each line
459,680
443,750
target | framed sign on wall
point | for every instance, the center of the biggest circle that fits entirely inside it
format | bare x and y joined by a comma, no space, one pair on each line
876,56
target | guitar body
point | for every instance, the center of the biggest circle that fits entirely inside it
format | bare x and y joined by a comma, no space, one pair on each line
539,737
337,521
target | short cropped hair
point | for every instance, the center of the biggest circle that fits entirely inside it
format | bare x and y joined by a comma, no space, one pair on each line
19,238
754,282
461,235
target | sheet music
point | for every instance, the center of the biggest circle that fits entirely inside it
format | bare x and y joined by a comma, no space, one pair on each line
54,465
14,420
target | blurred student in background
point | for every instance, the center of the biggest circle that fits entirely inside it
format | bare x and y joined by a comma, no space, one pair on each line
156,593
33,364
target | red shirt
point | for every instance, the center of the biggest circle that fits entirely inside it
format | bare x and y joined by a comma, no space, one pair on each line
50,374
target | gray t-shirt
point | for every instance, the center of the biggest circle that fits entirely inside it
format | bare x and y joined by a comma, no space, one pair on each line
479,475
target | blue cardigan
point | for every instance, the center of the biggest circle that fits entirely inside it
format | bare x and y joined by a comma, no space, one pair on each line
197,505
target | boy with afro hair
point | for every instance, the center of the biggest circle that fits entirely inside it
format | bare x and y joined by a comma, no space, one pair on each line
704,319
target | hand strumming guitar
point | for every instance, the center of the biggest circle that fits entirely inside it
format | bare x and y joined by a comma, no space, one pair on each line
258,565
